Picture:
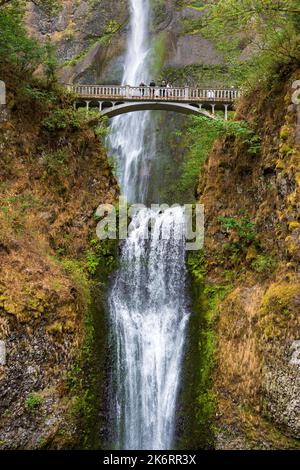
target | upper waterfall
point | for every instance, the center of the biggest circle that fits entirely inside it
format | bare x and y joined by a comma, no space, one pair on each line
137,61
127,140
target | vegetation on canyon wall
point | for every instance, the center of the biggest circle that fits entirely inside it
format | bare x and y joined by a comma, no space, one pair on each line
54,174
252,247
256,37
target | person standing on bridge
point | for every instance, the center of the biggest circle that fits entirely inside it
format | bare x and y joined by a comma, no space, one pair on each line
168,89
142,88
152,88
163,88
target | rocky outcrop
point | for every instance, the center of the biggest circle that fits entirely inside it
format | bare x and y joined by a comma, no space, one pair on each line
184,49
90,38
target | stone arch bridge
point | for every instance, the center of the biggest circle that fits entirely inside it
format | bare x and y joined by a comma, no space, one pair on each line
113,100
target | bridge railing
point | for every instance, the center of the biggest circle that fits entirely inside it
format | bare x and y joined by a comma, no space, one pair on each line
115,92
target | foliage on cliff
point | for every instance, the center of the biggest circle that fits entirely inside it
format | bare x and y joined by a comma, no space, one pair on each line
53,175
252,246
256,37
20,52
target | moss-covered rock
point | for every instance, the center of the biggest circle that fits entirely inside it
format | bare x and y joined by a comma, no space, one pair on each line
256,382
46,223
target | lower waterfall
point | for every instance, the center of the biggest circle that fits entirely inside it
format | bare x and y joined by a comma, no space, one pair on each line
149,315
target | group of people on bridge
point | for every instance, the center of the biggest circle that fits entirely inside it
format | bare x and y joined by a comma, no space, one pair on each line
164,89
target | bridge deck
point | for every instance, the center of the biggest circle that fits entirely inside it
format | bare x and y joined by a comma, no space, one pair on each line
128,93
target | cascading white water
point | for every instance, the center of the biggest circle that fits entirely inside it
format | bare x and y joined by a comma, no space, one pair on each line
149,316
147,299
128,139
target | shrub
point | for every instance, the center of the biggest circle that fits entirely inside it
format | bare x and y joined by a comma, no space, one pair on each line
38,94
61,119
264,264
56,163
102,254
243,229
33,401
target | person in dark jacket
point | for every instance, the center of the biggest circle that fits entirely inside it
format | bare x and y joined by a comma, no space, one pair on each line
142,88
152,88
163,88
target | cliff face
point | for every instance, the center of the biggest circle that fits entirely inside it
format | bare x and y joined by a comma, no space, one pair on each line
256,381
90,37
54,173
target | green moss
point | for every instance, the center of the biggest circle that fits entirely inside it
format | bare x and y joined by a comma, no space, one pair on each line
197,401
278,304
286,150
83,385
42,442
280,165
77,270
264,264
33,401
278,297
55,328
291,245
294,225
159,53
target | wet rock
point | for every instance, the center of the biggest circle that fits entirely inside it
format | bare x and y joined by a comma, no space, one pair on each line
2,353
295,359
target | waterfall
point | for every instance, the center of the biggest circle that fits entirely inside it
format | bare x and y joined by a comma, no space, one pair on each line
132,137
147,301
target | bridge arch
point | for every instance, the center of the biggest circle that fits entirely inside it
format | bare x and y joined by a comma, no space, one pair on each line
128,107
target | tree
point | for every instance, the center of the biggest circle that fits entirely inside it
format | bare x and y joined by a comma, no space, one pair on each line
50,61
16,47
267,29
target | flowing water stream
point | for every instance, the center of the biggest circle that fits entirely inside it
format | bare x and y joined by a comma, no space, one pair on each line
147,301
132,138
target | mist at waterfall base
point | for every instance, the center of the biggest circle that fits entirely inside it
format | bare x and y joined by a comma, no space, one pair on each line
147,302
